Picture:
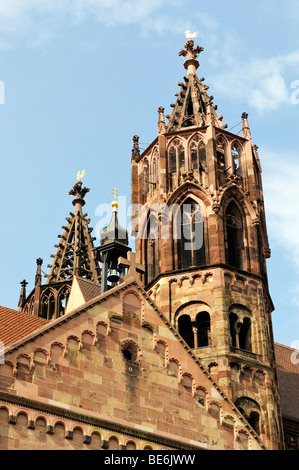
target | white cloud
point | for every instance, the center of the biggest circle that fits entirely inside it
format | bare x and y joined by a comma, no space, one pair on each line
106,11
281,189
281,194
264,82
35,20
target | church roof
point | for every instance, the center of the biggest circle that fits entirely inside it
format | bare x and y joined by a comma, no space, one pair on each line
288,380
89,289
16,325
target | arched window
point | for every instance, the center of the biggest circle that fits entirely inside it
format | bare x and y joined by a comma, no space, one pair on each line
41,428
176,161
198,154
203,329
236,159
220,152
113,443
240,331
131,445
233,321
172,160
245,334
250,409
234,236
48,305
152,251
145,178
186,330
154,171
95,443
191,244
62,301
182,164
222,166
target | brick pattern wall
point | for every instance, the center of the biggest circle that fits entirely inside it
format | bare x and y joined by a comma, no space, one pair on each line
77,375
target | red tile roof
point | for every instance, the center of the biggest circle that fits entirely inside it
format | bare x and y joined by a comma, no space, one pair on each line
287,360
15,325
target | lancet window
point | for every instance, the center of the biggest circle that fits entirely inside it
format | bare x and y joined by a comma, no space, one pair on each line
48,305
152,248
154,171
198,154
62,300
176,161
234,236
236,159
145,177
191,246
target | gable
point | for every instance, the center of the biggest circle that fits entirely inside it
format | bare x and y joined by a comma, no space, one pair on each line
118,362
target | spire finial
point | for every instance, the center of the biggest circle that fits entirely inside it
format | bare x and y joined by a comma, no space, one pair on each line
78,191
114,203
191,63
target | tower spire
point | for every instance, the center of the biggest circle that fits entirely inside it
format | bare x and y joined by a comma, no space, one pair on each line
114,244
75,252
193,107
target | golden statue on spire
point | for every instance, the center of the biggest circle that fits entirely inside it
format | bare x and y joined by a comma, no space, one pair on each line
80,175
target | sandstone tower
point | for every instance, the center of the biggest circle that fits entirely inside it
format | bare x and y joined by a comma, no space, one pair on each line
199,219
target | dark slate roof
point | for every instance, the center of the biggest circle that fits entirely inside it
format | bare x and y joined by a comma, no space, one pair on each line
287,360
89,289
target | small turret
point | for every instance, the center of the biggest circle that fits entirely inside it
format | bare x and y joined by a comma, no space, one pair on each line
114,244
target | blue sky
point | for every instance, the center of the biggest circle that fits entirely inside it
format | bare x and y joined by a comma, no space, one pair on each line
82,77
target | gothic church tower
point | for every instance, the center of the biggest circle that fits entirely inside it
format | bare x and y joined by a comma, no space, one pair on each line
199,219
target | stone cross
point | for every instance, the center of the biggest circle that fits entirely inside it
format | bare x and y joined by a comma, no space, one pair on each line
130,263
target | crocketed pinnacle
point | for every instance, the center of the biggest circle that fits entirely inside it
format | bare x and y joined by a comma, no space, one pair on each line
75,253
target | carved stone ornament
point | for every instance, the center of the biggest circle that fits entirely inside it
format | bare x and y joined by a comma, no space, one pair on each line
190,51
135,150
